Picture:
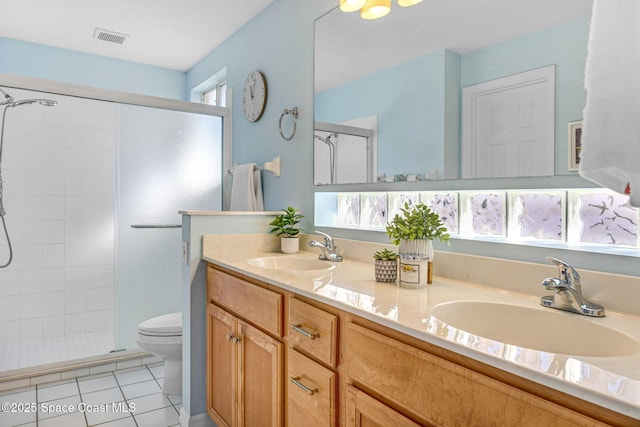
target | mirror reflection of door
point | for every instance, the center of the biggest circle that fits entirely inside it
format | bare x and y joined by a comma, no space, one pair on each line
508,126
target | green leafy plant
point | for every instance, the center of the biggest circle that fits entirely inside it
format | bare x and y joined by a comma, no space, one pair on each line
286,225
385,255
418,222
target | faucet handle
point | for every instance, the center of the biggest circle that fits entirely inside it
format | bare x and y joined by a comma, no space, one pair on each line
328,240
567,273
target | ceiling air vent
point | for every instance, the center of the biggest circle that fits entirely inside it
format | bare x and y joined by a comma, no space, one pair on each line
109,36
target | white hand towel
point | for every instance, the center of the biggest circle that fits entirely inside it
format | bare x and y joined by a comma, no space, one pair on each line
246,188
610,142
257,190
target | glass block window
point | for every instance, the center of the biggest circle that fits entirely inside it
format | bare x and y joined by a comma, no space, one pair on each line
537,215
483,214
446,206
348,209
373,213
397,201
597,220
604,218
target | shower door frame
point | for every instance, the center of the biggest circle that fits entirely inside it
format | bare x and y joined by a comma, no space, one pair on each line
98,94
108,95
371,145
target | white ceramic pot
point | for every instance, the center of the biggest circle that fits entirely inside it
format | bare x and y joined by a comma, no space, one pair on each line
289,245
417,247
415,258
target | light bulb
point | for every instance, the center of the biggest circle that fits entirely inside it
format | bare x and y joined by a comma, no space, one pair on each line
405,3
351,5
375,9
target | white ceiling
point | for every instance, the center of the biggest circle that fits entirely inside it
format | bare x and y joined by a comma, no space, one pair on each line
348,47
173,34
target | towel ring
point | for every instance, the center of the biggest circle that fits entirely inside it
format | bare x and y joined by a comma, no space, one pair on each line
294,117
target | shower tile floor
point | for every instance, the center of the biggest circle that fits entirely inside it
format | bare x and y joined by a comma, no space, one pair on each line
43,352
124,398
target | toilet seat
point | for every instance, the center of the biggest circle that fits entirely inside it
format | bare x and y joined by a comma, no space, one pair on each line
167,325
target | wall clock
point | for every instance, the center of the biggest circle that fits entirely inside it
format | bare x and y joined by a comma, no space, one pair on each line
254,96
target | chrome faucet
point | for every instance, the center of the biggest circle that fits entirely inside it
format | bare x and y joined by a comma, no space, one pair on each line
328,248
567,292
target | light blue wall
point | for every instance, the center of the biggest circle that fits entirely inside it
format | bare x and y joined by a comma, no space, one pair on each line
279,43
64,65
410,131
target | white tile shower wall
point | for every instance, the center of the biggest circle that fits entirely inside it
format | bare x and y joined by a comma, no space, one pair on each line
58,164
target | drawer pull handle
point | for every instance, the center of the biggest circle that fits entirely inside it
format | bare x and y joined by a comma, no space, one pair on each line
309,391
310,335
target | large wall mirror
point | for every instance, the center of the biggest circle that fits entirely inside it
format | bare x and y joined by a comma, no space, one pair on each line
390,93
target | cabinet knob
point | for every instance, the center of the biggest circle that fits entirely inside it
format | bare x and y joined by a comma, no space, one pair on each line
311,335
232,338
309,391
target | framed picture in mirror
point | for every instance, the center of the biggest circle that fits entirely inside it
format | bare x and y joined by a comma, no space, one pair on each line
575,136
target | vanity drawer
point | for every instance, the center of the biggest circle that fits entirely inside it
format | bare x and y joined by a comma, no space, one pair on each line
430,387
313,330
256,304
311,393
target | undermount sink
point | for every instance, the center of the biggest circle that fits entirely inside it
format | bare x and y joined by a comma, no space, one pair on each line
292,264
537,329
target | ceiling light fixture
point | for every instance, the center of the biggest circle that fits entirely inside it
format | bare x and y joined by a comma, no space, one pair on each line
373,9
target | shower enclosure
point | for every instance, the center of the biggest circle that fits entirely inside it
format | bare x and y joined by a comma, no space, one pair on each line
345,153
76,178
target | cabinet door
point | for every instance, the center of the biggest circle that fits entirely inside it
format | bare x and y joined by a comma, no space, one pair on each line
260,378
222,368
365,411
311,393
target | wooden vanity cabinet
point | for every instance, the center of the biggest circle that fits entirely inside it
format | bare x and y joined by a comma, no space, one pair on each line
244,361
436,392
276,358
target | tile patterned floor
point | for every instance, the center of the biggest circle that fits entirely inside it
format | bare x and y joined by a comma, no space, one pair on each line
124,398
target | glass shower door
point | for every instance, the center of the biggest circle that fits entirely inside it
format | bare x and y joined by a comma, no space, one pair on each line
167,161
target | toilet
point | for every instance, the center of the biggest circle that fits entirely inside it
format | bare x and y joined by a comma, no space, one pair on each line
162,337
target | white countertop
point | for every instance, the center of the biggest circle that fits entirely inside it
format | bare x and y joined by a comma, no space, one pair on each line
611,382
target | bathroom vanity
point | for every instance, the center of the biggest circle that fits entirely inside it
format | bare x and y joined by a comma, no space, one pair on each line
326,346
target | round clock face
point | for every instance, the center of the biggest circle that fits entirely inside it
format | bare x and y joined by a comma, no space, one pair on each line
254,96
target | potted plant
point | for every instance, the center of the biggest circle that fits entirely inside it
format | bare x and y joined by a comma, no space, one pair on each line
386,266
414,230
286,226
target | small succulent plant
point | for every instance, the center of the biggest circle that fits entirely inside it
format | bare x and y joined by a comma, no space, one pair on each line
385,255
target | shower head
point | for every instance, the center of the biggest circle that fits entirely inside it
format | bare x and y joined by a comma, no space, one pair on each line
45,102
9,101
8,98
326,140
